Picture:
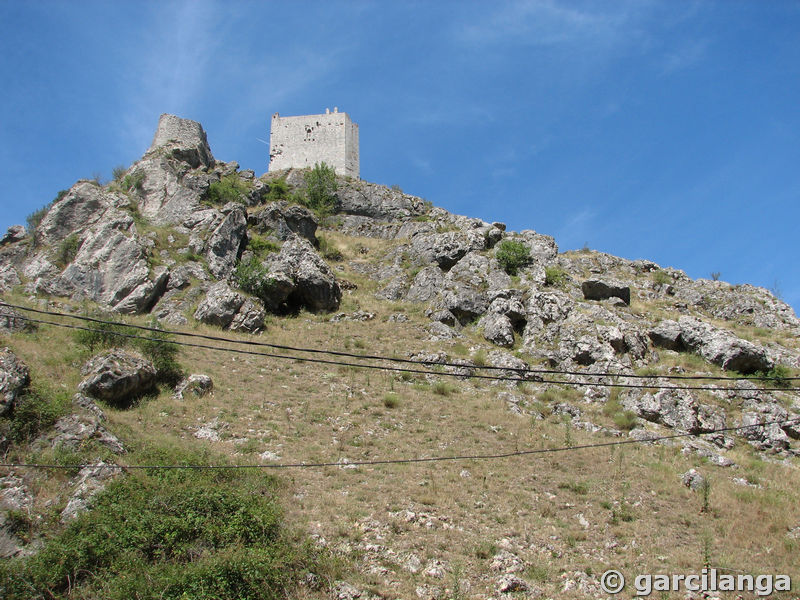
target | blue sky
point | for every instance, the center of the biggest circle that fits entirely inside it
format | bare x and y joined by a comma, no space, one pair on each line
661,130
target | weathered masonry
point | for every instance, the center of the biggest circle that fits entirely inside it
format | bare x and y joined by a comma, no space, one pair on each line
300,142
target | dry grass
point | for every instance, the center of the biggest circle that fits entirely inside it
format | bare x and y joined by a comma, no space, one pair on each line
641,519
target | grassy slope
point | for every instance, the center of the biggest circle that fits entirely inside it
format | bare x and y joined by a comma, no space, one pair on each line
640,517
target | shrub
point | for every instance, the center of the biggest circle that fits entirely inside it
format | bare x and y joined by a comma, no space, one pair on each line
118,172
190,534
321,189
253,277
163,354
133,182
555,276
442,388
228,189
512,256
391,400
32,413
278,190
67,250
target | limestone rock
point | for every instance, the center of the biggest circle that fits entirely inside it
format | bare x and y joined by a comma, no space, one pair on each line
446,249
281,220
14,379
595,289
227,308
74,430
117,377
225,242
183,139
91,480
196,384
667,334
426,285
83,206
315,285
497,328
722,347
14,234
8,277
693,479
377,202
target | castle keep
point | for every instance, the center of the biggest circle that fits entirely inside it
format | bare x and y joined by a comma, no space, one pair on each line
300,142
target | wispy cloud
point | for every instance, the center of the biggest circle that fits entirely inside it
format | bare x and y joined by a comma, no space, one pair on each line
543,23
685,55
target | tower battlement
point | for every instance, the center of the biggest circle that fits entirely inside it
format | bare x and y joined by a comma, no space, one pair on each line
303,141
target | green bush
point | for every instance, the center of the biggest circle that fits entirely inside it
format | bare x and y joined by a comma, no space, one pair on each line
512,256
278,190
67,250
172,535
555,276
163,354
261,246
133,182
253,277
33,412
228,189
321,189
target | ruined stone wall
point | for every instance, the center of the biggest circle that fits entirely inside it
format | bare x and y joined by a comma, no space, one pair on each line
300,142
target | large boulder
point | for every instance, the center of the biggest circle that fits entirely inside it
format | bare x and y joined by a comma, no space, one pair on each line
315,286
281,220
446,249
224,245
716,345
117,377
81,207
377,202
183,139
14,379
14,234
227,308
595,289
497,328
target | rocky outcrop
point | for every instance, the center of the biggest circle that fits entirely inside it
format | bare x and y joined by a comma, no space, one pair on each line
117,377
595,289
229,309
280,220
14,379
377,202
314,285
446,249
225,243
15,233
717,346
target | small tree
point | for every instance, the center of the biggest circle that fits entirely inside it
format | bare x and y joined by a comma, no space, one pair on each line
321,189
512,255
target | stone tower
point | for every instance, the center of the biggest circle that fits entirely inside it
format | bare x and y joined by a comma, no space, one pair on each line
300,142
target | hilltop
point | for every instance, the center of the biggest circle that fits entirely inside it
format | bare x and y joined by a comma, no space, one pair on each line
509,345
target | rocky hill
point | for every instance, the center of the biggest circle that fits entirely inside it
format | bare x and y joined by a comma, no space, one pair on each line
592,347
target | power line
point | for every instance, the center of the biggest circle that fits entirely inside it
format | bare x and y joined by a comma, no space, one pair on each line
395,461
535,372
400,369
389,358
